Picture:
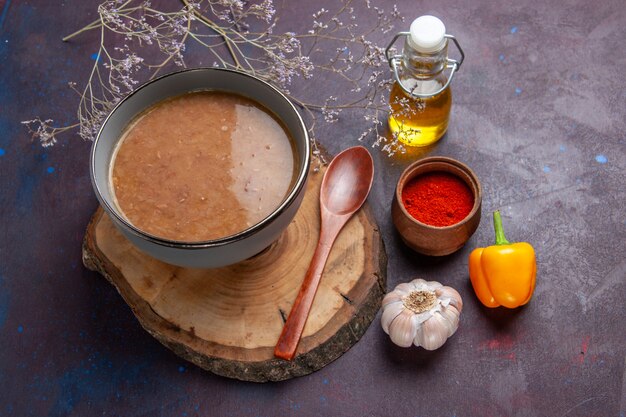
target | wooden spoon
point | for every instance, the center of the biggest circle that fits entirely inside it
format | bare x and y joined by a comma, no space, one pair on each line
345,187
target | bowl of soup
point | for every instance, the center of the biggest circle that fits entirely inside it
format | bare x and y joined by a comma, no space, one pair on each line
202,168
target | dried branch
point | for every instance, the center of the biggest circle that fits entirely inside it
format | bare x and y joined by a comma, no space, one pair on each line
237,35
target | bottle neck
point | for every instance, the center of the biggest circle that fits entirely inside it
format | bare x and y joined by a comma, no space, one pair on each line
423,65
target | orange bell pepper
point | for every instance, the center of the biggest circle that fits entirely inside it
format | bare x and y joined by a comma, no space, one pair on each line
503,274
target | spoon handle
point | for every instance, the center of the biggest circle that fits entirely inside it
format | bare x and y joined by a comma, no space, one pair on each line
292,330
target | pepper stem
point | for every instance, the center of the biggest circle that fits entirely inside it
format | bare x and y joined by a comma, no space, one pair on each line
497,225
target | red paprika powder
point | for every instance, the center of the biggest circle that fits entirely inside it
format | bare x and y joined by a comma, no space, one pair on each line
437,198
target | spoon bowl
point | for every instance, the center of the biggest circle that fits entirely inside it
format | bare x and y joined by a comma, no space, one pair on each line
347,181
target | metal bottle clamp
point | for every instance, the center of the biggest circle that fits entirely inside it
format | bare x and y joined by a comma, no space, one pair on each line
452,64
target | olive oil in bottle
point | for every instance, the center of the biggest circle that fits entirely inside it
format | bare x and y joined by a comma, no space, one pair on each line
419,121
421,98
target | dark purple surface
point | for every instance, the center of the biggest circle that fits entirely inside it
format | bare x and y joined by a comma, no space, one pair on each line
539,113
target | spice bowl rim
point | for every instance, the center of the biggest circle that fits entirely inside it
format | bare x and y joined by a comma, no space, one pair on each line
475,188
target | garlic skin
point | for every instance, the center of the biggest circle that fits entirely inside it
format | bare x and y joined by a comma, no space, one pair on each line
423,313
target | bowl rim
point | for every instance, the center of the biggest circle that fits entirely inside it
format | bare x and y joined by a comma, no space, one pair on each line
448,161
285,204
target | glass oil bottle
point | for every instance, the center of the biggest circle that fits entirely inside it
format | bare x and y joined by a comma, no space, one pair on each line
421,97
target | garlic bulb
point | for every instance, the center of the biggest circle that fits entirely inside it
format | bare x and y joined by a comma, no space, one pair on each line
423,313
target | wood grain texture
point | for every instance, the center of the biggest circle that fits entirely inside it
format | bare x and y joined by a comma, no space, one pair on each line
227,320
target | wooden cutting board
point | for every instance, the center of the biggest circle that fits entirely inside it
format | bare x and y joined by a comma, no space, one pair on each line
227,320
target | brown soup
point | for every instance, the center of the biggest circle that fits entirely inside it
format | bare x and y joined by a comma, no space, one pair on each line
202,166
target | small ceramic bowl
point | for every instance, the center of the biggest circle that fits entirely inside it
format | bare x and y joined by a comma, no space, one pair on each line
433,240
218,252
